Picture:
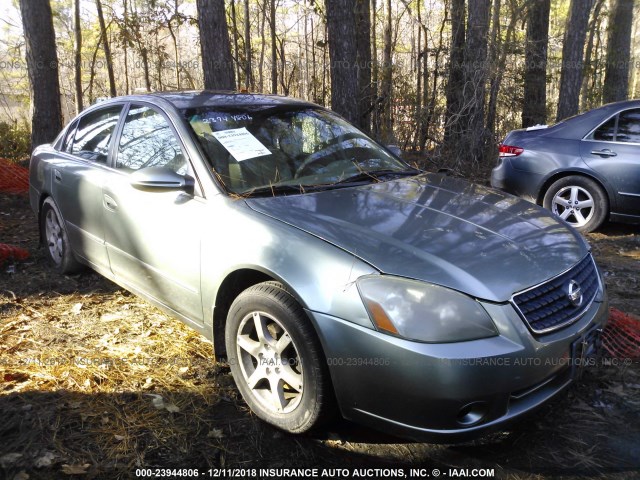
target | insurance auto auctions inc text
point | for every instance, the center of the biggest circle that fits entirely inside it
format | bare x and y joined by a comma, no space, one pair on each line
375,473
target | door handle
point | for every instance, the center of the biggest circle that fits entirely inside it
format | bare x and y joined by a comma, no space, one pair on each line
57,175
604,153
110,203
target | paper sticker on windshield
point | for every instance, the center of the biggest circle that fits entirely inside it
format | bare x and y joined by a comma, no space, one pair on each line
241,144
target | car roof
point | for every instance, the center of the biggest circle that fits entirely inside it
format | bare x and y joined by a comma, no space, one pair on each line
215,98
580,125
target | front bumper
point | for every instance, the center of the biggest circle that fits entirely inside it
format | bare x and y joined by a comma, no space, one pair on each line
451,392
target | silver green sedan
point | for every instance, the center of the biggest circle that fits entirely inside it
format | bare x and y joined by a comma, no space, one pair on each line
325,270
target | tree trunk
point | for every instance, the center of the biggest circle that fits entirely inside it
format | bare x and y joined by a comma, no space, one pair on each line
455,85
299,63
107,50
77,54
158,63
283,68
248,80
420,53
534,109
572,58
341,21
236,49
274,47
496,48
386,86
314,66
307,80
263,20
363,55
430,98
174,41
144,53
616,79
125,49
635,34
375,91
92,74
217,64
499,65
325,68
42,67
475,77
591,61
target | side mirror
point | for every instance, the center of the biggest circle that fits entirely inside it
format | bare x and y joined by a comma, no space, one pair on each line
161,179
395,149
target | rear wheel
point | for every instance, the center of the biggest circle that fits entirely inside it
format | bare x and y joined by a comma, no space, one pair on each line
56,240
276,359
580,201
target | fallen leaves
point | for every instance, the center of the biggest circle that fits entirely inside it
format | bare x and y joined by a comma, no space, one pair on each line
161,404
46,459
17,377
75,469
216,433
9,459
75,310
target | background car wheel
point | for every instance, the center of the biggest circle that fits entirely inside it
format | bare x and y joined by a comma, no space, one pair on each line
55,239
579,201
276,359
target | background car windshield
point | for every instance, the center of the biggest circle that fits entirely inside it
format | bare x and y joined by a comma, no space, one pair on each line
278,147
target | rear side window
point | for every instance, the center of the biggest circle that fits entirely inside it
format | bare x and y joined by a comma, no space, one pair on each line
606,132
147,140
623,128
94,133
629,127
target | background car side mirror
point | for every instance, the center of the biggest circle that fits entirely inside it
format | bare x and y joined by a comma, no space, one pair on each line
155,179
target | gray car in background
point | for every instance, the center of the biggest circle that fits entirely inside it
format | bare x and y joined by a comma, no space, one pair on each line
322,267
585,169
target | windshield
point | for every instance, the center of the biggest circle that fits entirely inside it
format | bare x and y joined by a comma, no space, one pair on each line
285,149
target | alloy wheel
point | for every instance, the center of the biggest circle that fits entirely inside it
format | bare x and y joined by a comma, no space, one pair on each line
54,236
270,362
573,204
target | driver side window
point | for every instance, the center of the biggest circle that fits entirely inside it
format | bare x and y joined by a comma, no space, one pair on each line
148,141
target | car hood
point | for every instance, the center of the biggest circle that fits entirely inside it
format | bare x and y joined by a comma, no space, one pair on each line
437,229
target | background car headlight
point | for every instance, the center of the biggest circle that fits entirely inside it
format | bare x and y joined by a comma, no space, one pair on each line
424,312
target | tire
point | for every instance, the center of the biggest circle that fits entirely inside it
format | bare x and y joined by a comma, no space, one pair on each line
276,359
56,240
580,201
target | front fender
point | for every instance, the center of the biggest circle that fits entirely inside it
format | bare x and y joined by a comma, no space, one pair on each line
320,275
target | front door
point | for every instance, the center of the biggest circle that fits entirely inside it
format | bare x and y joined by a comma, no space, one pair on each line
153,238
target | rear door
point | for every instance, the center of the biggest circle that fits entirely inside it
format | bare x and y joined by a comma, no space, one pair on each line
154,237
77,180
613,151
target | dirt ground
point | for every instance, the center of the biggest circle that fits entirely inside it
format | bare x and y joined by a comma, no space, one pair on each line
95,383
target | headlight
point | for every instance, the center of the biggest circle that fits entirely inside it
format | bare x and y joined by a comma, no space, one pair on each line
420,311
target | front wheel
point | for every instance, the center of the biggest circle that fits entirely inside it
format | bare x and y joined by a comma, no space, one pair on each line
579,201
276,359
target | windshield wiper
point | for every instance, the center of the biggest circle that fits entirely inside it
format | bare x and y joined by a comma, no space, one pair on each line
296,189
383,174
273,190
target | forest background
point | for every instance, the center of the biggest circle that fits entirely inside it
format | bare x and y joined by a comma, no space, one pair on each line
446,79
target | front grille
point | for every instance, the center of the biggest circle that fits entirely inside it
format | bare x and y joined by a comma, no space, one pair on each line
547,307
